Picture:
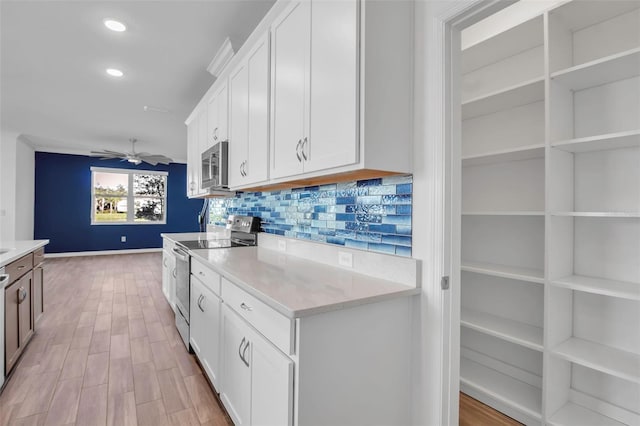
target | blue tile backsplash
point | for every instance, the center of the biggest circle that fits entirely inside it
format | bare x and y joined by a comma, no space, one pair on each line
372,214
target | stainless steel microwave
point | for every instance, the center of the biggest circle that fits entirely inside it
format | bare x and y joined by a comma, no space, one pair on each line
215,166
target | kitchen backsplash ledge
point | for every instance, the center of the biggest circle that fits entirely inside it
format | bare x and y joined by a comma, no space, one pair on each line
371,214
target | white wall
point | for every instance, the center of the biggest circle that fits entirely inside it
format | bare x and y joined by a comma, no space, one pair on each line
17,189
7,185
25,190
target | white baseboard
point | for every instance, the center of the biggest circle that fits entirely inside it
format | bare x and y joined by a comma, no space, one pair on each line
104,252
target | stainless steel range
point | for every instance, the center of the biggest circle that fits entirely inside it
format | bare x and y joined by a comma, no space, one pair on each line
244,233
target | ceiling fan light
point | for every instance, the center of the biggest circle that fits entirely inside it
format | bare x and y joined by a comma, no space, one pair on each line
114,25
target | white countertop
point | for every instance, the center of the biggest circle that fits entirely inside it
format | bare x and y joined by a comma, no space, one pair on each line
298,287
222,233
17,249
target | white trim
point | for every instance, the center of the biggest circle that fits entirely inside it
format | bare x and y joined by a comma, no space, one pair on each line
436,240
103,252
128,171
131,197
222,58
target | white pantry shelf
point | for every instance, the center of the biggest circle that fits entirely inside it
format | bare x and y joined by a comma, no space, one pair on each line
621,289
572,414
599,214
503,328
601,71
622,364
514,393
507,43
510,97
504,271
627,139
503,213
499,156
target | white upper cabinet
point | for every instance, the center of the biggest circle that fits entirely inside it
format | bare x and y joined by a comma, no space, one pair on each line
196,143
314,65
249,117
217,117
320,89
290,56
333,90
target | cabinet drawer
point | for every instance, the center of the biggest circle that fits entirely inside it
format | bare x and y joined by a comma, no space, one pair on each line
18,268
208,277
273,325
38,256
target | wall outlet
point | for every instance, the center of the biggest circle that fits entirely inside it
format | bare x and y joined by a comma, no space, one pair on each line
123,239
345,259
282,245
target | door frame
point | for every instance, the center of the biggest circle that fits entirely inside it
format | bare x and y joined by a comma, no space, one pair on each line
437,203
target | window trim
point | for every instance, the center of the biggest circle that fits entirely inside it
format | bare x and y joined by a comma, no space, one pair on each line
130,195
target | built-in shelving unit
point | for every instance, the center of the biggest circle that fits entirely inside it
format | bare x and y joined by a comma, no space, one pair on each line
550,242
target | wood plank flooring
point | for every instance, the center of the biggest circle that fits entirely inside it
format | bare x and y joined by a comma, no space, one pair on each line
475,413
106,352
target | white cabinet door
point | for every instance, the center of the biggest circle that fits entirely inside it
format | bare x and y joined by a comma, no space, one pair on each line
271,384
239,124
289,78
257,165
205,328
333,125
168,277
212,123
217,115
249,118
236,372
193,158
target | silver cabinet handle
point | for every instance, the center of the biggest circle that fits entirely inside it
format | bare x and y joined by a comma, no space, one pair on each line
244,168
241,173
242,351
22,295
246,307
200,302
201,273
215,134
298,150
21,267
303,145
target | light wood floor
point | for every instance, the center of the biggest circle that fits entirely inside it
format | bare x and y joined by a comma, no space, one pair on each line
106,351
475,413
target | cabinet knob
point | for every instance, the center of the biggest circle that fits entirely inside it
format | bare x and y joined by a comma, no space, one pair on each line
246,307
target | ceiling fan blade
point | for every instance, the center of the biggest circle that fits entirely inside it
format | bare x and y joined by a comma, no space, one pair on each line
155,159
106,151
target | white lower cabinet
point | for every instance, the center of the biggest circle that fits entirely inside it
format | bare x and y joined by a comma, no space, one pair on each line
205,327
169,277
257,379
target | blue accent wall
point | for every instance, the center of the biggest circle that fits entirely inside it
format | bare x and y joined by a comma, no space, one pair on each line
63,206
372,214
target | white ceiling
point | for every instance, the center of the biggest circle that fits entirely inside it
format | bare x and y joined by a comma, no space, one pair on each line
53,55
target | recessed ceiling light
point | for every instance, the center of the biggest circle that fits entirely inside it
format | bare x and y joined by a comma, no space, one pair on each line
114,72
115,25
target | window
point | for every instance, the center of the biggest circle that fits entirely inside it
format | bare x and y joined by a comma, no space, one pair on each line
113,191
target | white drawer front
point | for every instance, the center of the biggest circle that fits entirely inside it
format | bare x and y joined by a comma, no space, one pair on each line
208,277
276,327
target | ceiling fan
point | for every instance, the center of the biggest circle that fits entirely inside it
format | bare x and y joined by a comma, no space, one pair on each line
133,156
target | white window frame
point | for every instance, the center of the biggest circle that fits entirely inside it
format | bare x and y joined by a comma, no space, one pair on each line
130,195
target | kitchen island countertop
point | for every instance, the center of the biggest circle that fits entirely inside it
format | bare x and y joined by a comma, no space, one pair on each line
17,249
